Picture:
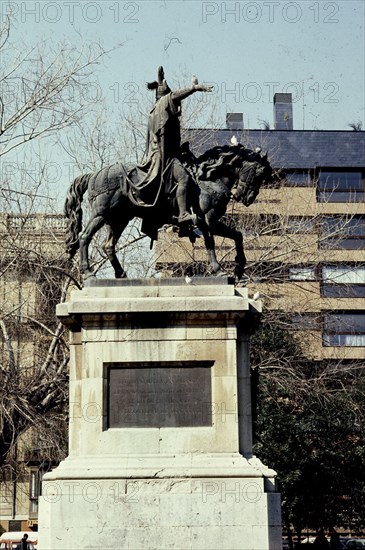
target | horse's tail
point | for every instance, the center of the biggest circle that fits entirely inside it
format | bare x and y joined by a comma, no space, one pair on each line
73,212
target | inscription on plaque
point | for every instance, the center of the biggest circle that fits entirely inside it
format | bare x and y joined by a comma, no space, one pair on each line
157,395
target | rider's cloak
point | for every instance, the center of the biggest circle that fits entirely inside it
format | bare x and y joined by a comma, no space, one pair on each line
163,145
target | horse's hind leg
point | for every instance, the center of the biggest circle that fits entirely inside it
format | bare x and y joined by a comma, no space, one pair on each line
114,232
85,238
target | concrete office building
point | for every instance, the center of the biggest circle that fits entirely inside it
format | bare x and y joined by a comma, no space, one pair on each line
304,236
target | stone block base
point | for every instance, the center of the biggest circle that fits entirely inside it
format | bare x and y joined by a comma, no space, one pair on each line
209,513
160,445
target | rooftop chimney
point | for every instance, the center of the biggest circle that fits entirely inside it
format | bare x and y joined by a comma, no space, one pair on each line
283,112
234,121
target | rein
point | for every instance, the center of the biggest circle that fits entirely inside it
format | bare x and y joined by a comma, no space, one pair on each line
250,170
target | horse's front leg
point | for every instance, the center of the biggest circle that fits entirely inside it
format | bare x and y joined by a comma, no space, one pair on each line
221,229
84,240
214,265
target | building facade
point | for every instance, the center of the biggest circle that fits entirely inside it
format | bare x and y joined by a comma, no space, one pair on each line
304,236
30,267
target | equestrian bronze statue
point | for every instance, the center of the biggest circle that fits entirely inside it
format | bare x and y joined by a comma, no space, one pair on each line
171,187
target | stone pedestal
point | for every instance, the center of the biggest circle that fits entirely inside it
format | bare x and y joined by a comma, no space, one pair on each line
160,450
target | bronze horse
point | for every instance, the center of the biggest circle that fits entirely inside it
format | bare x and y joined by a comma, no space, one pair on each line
115,200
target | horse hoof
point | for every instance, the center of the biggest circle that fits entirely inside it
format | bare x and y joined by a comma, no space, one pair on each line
244,278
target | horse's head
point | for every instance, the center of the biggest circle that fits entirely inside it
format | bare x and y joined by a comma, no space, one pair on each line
237,167
253,171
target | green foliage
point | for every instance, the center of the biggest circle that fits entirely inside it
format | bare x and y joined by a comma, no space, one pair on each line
309,426
277,342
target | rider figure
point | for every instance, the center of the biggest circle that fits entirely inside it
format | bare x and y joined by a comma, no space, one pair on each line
164,136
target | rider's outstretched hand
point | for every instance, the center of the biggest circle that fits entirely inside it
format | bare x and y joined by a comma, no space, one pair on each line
202,88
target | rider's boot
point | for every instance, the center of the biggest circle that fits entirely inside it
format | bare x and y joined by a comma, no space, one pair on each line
185,220
184,215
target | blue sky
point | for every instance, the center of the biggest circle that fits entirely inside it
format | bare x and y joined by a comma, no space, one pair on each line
248,49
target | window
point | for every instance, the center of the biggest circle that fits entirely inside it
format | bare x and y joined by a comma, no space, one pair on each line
302,274
340,187
6,493
343,281
15,525
340,232
34,492
298,179
343,274
261,272
262,225
304,321
343,226
340,181
343,291
343,244
300,225
344,329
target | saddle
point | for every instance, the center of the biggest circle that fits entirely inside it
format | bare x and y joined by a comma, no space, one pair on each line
108,178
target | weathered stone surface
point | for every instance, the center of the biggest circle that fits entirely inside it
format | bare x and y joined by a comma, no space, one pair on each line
207,513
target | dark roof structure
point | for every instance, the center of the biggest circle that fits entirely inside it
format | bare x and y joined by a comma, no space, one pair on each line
293,148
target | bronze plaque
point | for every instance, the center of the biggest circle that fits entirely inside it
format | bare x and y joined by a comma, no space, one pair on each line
158,395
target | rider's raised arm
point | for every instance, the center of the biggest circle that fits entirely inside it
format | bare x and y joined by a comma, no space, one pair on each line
179,95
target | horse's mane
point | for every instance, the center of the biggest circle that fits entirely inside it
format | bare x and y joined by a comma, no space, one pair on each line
213,161
220,150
